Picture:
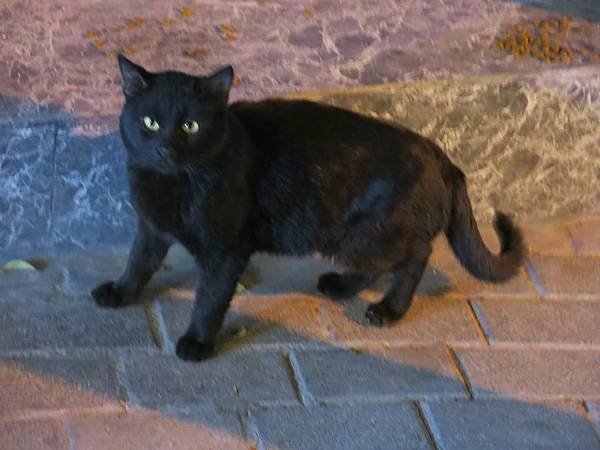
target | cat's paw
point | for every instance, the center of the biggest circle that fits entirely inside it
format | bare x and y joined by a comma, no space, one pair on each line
108,296
332,285
189,349
379,315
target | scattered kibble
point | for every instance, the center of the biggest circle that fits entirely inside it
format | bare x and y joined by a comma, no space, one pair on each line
227,31
309,12
236,81
545,40
99,43
113,29
186,12
168,22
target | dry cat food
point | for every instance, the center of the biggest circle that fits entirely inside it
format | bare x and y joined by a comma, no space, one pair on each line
551,40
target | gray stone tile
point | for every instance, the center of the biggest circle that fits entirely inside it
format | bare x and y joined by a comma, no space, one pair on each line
52,383
518,321
92,199
26,170
143,429
29,325
483,425
532,373
227,380
406,373
348,427
288,319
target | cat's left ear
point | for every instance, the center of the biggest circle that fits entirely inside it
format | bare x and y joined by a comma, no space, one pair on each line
220,83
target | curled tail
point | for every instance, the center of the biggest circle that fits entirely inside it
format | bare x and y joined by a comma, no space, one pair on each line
469,248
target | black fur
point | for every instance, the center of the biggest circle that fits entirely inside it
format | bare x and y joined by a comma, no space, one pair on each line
291,177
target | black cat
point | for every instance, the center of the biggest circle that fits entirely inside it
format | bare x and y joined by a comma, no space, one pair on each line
286,177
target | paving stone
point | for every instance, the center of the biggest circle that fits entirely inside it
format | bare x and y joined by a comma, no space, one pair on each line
518,321
143,429
92,198
288,275
548,238
26,165
462,284
35,434
258,320
567,278
342,427
44,285
429,320
379,373
32,325
593,409
230,379
532,373
53,383
495,424
586,236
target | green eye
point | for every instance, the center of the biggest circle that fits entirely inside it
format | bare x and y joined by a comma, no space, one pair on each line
190,126
150,123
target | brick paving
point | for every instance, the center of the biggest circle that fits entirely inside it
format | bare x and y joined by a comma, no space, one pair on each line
471,366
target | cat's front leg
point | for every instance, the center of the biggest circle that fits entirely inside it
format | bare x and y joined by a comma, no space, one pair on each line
146,256
218,279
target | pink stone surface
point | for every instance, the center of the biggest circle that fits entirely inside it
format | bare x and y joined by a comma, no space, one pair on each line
62,54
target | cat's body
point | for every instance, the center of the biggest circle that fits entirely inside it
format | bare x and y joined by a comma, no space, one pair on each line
286,177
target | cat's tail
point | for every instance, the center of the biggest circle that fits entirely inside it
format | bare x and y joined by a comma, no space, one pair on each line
469,248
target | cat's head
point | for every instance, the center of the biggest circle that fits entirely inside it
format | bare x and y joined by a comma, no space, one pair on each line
172,121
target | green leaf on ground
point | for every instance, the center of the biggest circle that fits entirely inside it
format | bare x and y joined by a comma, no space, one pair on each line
17,264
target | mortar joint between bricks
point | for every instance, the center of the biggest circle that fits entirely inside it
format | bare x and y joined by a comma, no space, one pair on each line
304,395
480,321
455,361
428,422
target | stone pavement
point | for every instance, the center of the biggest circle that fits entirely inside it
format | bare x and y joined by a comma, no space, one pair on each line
472,366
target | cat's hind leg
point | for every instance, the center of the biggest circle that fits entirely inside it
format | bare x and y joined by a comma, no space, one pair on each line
398,298
146,256
340,286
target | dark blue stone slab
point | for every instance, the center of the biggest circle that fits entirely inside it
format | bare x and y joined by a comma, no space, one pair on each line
91,206
26,169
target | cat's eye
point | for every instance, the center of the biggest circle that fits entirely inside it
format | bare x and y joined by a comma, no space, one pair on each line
190,126
151,124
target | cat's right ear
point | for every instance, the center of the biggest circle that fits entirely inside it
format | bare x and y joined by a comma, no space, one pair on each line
135,78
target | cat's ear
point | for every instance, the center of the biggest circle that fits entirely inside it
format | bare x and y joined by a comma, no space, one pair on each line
220,82
135,78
